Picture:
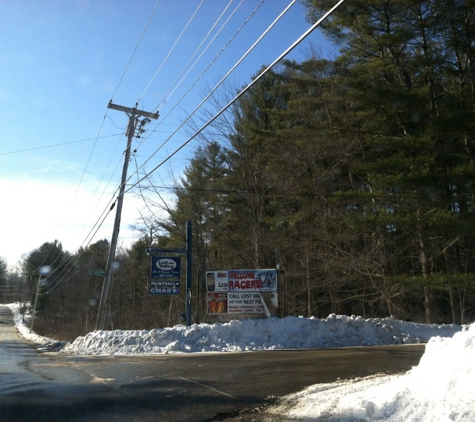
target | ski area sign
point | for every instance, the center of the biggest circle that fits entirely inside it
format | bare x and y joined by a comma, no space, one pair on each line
165,267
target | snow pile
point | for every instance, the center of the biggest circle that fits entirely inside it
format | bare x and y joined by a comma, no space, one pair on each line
440,388
25,332
261,334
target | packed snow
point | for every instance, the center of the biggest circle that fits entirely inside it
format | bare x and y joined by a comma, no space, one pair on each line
438,389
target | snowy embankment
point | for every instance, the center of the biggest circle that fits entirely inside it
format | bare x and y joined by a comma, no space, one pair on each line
439,389
262,334
247,335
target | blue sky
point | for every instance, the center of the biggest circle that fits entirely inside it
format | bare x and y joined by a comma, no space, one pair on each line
61,62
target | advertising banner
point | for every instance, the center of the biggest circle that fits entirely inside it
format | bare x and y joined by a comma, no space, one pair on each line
242,291
165,267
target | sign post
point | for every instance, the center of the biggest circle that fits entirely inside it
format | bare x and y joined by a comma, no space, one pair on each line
189,268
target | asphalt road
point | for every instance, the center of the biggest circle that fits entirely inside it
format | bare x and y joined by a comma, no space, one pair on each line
39,386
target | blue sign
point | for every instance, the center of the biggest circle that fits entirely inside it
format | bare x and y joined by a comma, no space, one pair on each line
164,287
165,267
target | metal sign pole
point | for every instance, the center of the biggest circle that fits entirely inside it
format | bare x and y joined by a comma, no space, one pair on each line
189,267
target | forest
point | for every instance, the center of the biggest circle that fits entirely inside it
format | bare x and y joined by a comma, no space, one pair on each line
354,174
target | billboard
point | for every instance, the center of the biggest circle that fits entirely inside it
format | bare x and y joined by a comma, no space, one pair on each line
242,291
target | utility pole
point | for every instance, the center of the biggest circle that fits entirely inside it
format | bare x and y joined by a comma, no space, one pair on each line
133,114
189,267
45,270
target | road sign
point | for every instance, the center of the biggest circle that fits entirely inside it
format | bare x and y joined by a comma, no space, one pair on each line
164,287
100,273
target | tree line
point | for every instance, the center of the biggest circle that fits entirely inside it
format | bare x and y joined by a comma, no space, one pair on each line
356,174
358,170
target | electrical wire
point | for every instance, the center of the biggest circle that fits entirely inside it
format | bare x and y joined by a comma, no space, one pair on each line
174,85
117,87
64,271
173,47
142,189
105,115
136,48
201,75
215,89
239,95
18,151
100,129
80,181
115,91
91,233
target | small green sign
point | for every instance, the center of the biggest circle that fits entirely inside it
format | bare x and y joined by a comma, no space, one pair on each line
100,273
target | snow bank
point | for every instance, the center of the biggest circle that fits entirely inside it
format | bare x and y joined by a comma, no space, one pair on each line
24,331
262,334
439,389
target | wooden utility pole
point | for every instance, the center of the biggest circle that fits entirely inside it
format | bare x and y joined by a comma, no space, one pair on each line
133,114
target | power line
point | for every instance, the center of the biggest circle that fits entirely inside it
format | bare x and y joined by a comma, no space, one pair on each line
115,91
64,271
347,194
171,50
174,85
214,90
136,47
19,151
200,76
239,95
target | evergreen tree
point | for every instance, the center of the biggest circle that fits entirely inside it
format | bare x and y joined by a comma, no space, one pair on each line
400,75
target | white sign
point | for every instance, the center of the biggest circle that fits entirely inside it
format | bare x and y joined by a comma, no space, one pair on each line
242,291
251,303
165,267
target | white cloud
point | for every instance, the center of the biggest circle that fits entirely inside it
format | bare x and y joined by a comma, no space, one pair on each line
36,211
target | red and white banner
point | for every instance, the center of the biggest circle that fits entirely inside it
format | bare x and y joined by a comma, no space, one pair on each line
241,291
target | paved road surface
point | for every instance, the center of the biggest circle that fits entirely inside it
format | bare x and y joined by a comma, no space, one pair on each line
50,387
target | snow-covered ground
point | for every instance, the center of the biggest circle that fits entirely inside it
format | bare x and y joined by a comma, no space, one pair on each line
438,389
